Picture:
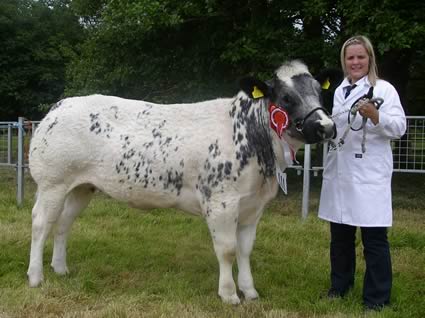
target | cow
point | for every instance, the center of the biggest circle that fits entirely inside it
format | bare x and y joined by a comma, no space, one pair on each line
215,158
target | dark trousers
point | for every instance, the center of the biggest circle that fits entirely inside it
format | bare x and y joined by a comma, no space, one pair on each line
378,277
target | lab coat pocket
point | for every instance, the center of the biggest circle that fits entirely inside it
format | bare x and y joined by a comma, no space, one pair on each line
369,169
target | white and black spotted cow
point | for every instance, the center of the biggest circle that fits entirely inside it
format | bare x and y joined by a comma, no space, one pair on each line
215,158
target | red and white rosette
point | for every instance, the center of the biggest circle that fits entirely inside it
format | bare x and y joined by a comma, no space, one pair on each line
279,119
279,122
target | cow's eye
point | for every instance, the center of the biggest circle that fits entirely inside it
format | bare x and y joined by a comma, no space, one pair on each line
285,100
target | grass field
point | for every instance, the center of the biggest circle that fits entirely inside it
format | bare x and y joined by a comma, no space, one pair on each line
127,263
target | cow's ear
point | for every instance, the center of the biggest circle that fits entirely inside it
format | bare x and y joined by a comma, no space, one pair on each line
254,88
330,78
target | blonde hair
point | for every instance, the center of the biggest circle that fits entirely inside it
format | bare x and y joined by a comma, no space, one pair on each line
372,73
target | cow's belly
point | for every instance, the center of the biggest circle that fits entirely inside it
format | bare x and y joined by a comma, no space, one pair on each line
186,201
145,196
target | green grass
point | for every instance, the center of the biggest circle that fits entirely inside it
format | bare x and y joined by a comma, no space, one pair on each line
128,263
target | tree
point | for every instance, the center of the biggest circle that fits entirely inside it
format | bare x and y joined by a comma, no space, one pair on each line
175,51
38,38
397,29
171,50
168,50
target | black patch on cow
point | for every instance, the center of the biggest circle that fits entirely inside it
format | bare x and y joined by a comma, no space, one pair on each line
252,135
115,111
107,130
214,149
129,154
125,139
240,137
50,127
162,124
208,213
45,143
33,150
95,123
173,179
156,133
215,171
206,192
227,168
147,110
98,127
55,105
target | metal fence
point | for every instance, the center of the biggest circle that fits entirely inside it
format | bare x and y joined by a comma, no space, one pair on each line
408,152
14,145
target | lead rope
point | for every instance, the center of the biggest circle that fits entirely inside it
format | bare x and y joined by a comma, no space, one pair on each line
353,111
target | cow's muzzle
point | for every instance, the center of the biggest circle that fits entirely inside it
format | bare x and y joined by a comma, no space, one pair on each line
316,130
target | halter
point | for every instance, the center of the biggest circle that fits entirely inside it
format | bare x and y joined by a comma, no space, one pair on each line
299,123
367,98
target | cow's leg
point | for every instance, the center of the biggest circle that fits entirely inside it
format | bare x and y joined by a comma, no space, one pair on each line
75,202
222,226
246,237
45,212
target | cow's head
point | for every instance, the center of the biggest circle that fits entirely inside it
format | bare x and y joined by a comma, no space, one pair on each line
293,98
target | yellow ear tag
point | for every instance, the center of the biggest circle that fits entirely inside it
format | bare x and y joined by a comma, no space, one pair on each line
326,84
256,93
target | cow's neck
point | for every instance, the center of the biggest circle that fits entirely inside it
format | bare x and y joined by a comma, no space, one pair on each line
252,134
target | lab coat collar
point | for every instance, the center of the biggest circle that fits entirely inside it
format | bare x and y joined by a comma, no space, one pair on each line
364,81
358,92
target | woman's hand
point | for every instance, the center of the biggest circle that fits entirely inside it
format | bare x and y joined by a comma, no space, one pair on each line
369,110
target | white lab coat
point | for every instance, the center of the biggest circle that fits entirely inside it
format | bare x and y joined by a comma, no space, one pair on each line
356,188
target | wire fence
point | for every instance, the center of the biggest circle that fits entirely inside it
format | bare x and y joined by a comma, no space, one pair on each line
408,153
6,131
15,139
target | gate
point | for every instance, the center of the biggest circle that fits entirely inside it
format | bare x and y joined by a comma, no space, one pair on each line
14,144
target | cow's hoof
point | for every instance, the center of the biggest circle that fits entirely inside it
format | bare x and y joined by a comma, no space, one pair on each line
232,300
60,269
34,280
250,294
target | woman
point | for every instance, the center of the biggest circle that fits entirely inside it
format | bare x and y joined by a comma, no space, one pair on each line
356,189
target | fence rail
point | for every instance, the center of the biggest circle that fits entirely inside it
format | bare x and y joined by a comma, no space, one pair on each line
408,152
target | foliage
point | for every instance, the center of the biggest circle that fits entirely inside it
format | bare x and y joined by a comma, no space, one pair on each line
182,51
390,24
38,39
166,50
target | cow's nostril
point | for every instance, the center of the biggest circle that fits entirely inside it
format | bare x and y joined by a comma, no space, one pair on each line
325,131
